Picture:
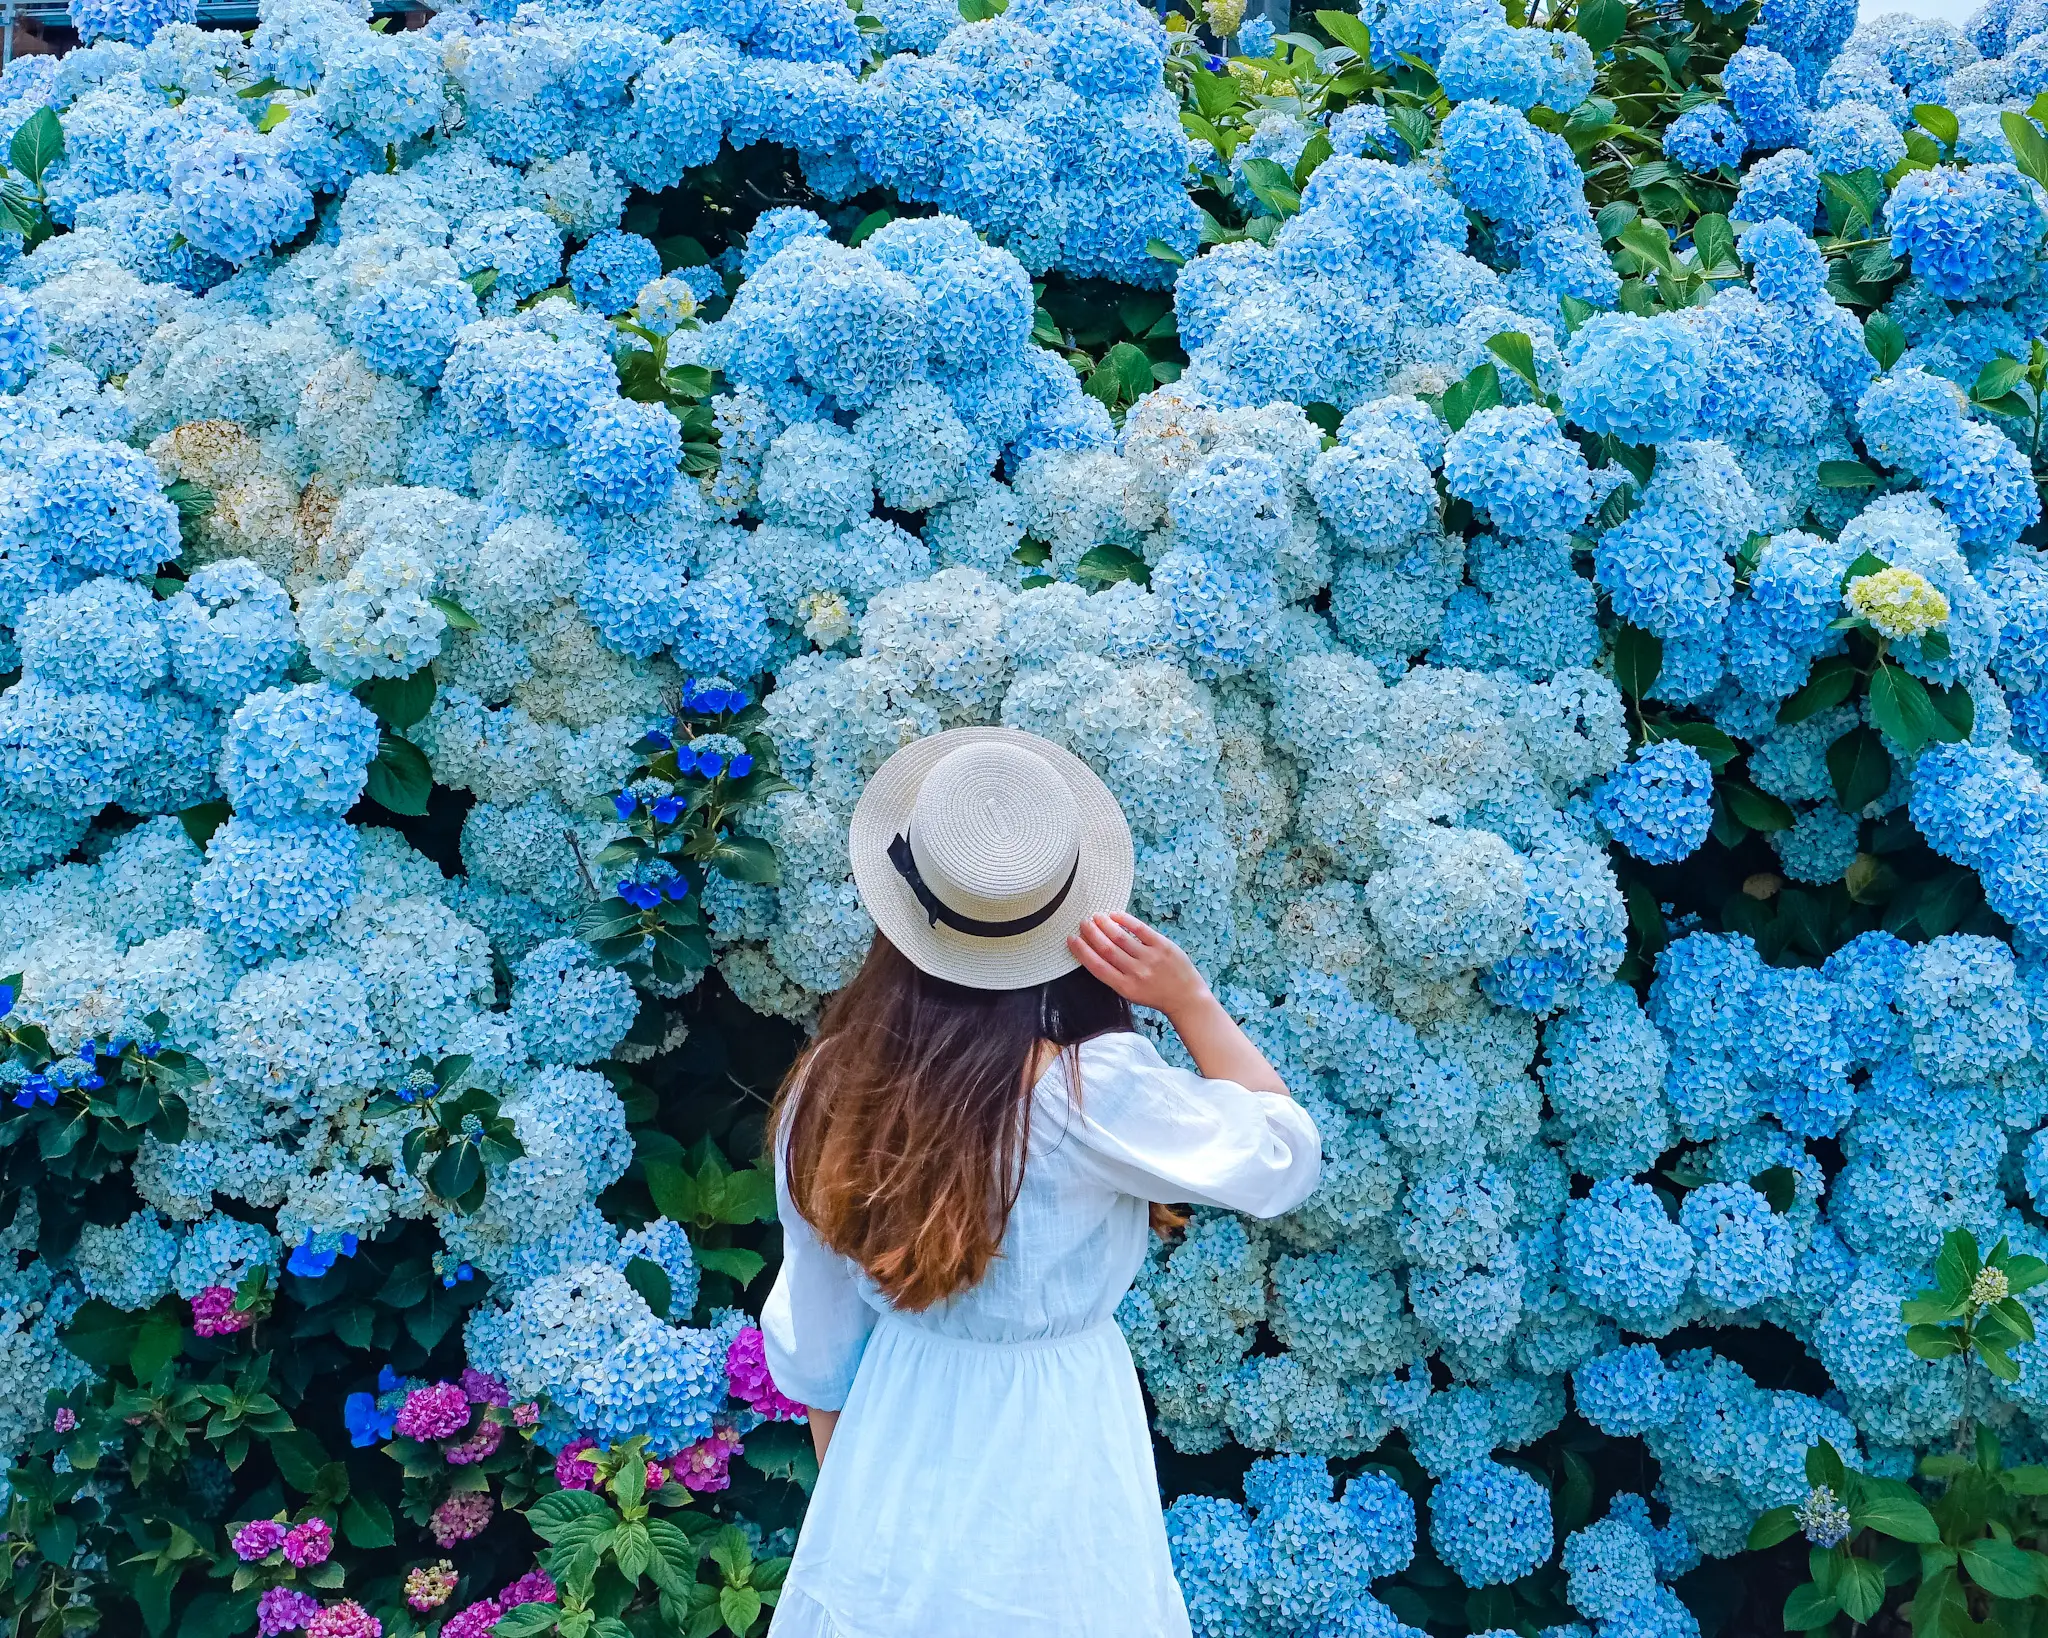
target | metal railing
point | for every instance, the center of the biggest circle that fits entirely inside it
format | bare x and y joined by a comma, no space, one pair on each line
221,13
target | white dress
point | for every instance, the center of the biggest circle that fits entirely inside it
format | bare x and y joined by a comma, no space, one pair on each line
991,1474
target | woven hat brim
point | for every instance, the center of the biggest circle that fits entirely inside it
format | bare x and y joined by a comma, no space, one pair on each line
1102,880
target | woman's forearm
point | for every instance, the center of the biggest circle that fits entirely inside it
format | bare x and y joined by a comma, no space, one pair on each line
822,1423
1221,1050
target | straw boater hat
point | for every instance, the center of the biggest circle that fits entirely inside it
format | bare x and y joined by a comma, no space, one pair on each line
980,850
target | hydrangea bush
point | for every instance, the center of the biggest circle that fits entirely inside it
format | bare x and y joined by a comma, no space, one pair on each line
1535,517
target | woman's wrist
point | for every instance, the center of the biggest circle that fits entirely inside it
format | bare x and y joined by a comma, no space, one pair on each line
1199,999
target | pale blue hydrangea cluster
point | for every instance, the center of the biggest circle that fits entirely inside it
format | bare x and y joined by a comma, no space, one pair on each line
1050,128
1294,1558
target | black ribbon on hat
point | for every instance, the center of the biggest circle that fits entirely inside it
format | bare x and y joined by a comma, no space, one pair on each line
940,911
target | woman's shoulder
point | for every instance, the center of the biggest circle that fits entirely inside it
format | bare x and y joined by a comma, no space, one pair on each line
1113,1062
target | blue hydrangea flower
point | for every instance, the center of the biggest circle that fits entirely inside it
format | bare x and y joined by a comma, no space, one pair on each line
1660,806
1490,1524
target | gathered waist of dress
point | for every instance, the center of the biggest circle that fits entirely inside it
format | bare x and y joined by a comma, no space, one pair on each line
911,1325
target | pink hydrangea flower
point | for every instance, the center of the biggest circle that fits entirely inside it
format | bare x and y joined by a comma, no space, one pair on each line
656,1477
473,1620
462,1516
747,1378
213,1313
433,1412
309,1543
526,1415
284,1609
486,1439
65,1420
705,1465
259,1538
429,1586
534,1587
573,1468
484,1389
348,1619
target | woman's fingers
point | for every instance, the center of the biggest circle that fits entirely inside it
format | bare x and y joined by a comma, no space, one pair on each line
1084,953
1137,929
1111,943
1117,982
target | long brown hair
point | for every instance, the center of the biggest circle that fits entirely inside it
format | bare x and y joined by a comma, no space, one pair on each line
906,1147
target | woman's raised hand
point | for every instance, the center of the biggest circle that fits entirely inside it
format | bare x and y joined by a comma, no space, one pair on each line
1148,969
1140,963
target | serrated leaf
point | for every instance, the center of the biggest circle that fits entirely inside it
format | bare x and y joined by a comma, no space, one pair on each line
556,1511
1756,809
1714,238
734,1261
631,1549
1600,23
741,1607
1997,378
1852,200
1859,1588
1638,661
1932,1342
366,1522
1106,565
1808,1608
1413,127
1824,1465
1957,1264
1902,1517
1347,30
1648,241
651,1280
1860,767
38,144
1273,186
399,702
1849,475
1779,1524
2023,1273
2029,147
2001,1569
1477,391
1831,681
1937,122
458,617
745,859
1956,708
1900,708
673,1566
400,778
525,1621
1121,376
1711,742
1162,251
1885,338
1518,353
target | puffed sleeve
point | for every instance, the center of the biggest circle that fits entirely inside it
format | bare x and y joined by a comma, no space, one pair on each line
1167,1134
814,1325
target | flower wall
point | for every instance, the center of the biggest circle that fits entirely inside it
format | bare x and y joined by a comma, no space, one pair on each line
1536,519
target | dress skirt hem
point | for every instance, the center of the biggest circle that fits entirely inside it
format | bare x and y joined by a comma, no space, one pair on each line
986,1490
